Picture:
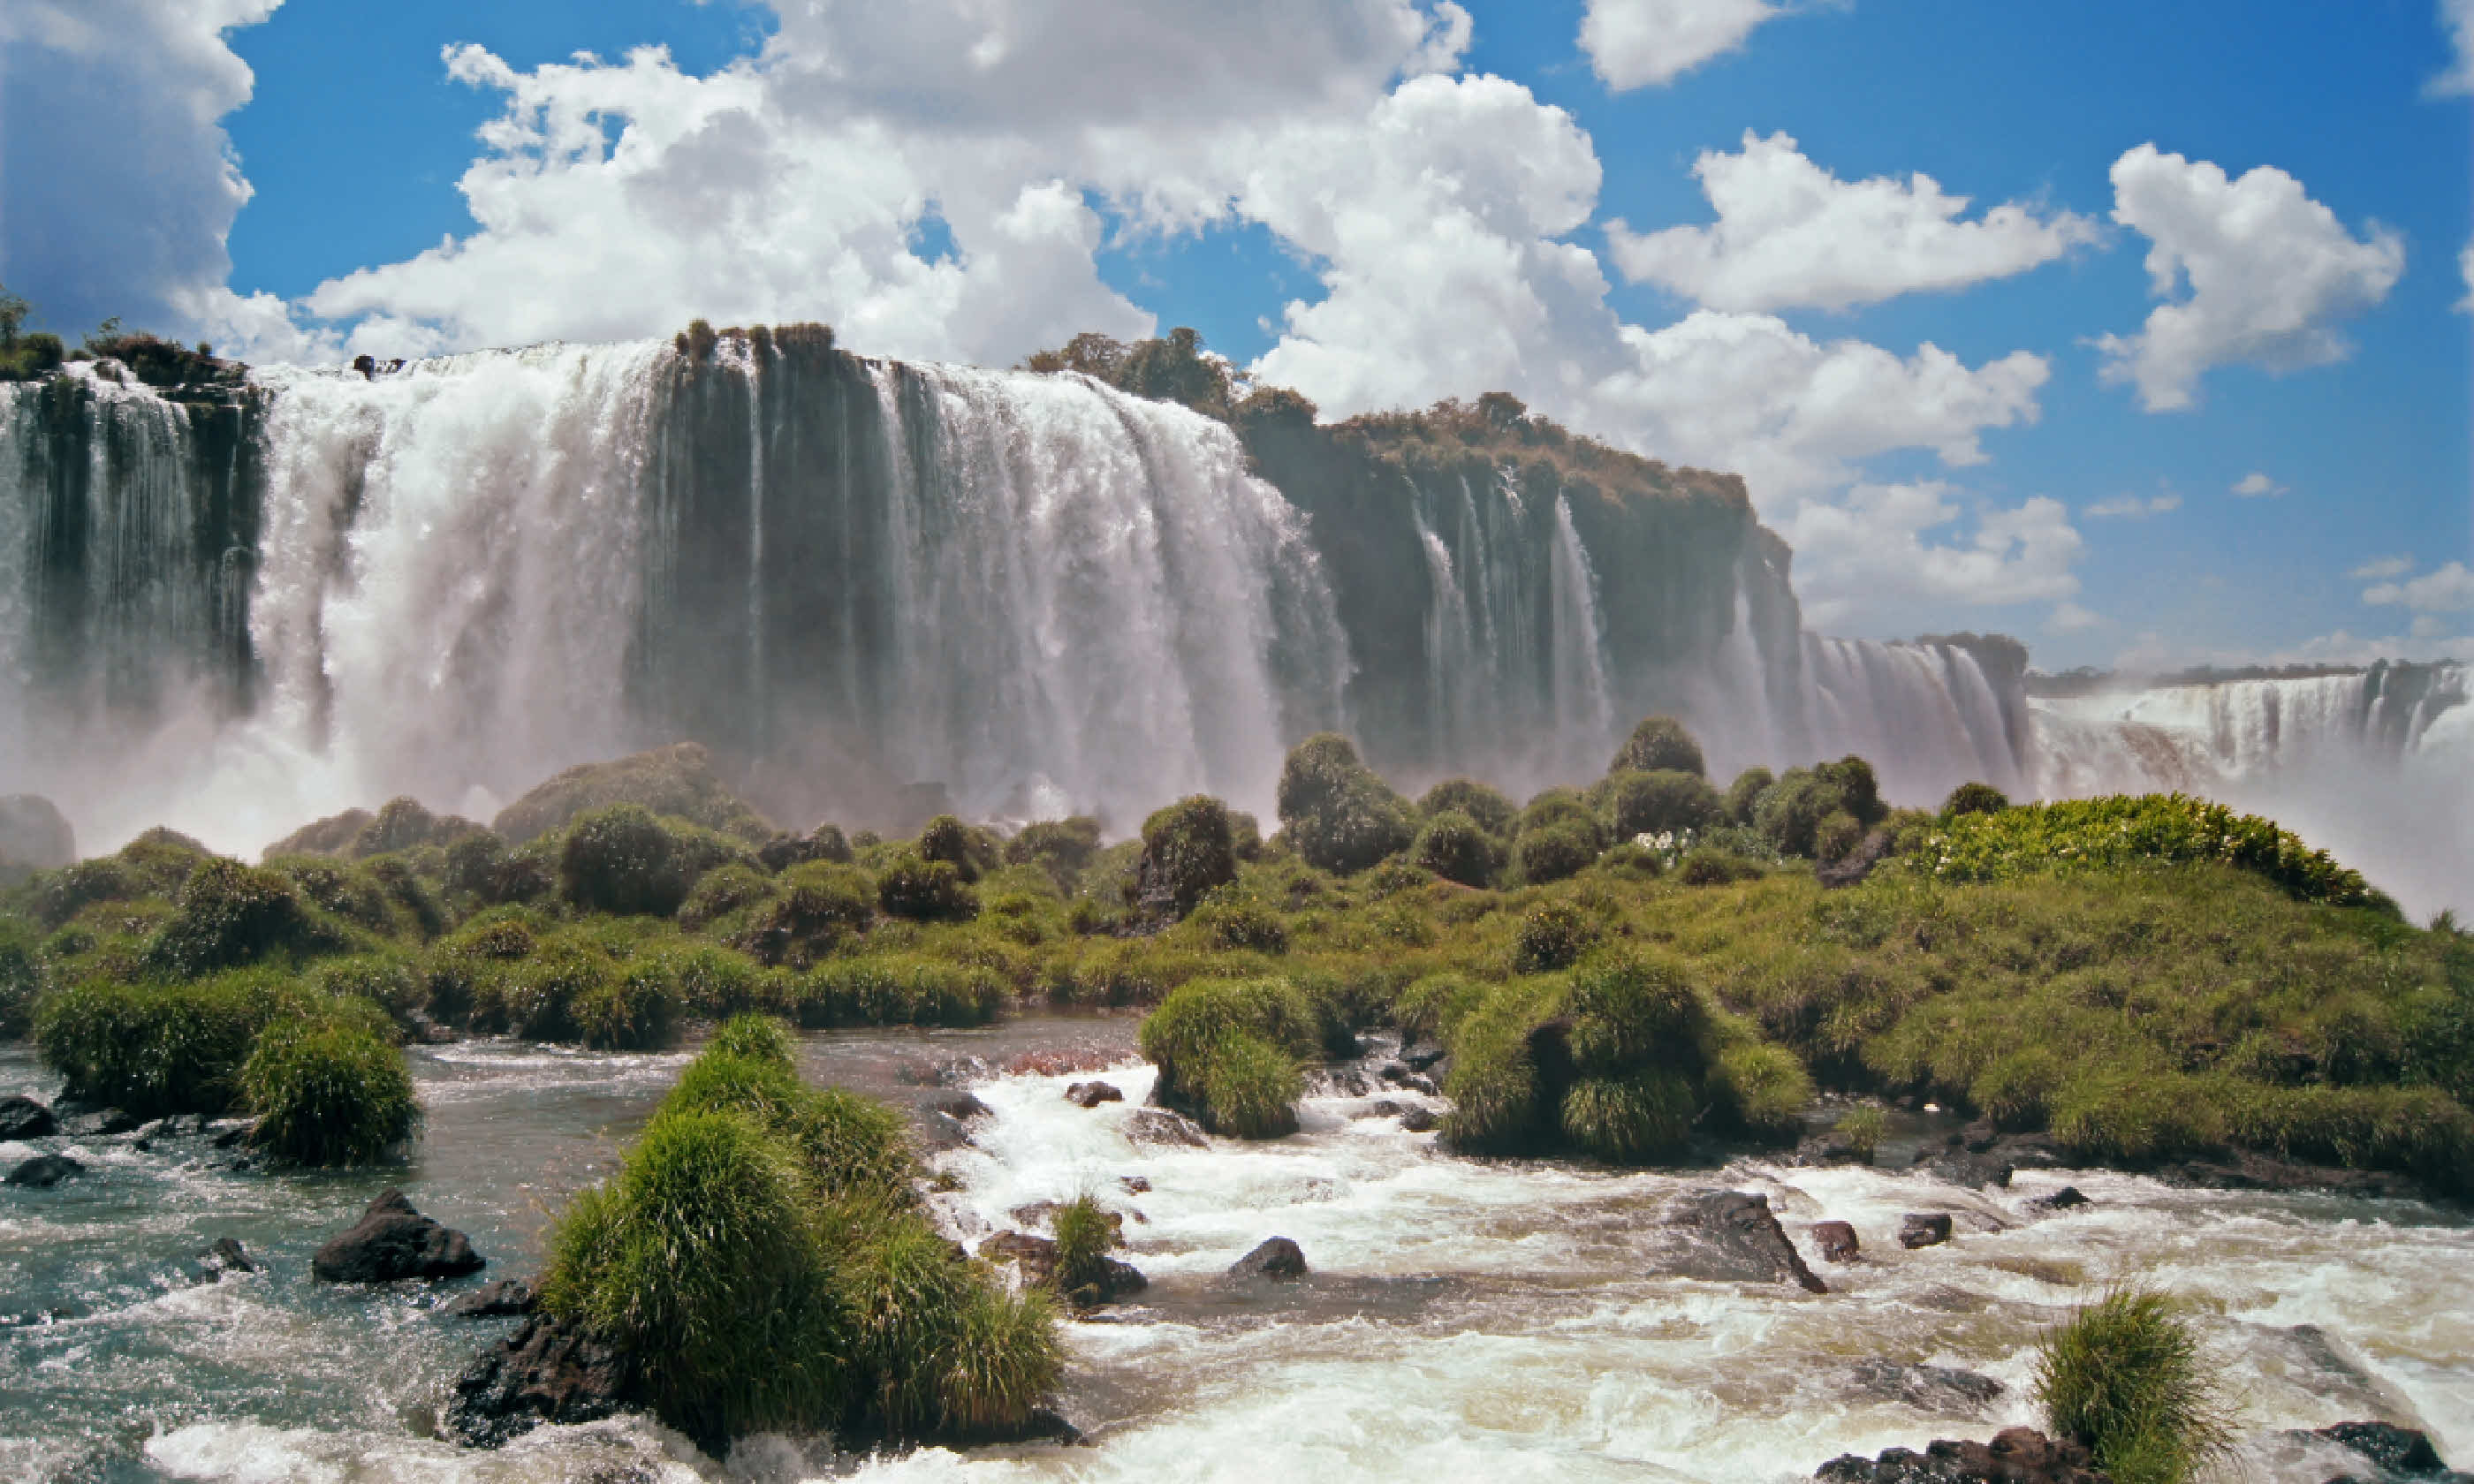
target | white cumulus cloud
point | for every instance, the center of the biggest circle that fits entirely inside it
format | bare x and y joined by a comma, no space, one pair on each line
2381,568
2441,590
1791,234
2256,485
2072,618
2456,18
1870,548
2268,272
1638,43
2130,507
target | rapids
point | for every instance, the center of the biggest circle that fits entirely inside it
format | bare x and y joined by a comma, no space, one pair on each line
1465,1318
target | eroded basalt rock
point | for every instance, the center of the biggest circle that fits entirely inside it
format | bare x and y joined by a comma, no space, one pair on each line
508,1296
1837,1242
547,1371
224,1255
2016,1455
1276,1259
1924,1228
393,1241
2399,1455
2066,1199
23,1118
1737,1236
1159,1126
1091,1094
44,1171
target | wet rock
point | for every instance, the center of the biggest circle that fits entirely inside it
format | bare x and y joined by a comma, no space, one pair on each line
2248,1170
1091,1094
2067,1198
1401,1076
1737,1236
224,1133
1278,1258
545,1371
493,1300
1037,1258
224,1255
1926,1388
960,1107
102,1123
1134,1184
1421,1056
44,1171
2016,1455
2399,1454
1924,1228
1159,1126
940,1131
1829,1147
1980,1155
1836,1241
1419,1118
1044,1424
393,1241
1344,1082
22,1117
1380,1108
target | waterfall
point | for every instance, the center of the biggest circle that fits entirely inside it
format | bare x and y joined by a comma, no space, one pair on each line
1926,715
1585,719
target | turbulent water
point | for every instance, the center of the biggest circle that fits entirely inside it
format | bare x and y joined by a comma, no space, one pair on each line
1034,593
1465,1319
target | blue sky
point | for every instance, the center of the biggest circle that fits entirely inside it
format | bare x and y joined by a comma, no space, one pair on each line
1383,202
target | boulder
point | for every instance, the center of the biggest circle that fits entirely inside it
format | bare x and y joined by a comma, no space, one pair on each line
1276,1259
102,1123
493,1300
1924,1228
941,1131
35,833
1836,1240
2016,1455
1134,1184
545,1371
224,1255
1159,1126
393,1241
2067,1198
1091,1094
2399,1454
1926,1388
960,1107
1419,1118
44,1171
1037,1258
2246,1169
1829,1147
22,1117
1739,1238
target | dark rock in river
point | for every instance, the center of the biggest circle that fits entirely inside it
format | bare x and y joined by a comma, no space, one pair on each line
225,1255
44,1171
1159,1126
2401,1454
1836,1240
1091,1094
960,1107
1419,1118
1924,1228
1981,1154
1926,1388
2067,1198
393,1241
1738,1237
22,1117
1830,1147
2245,1169
102,1123
1037,1258
2016,1455
1278,1258
493,1300
543,1372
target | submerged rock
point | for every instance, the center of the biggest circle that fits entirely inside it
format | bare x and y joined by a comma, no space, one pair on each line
2399,1454
1276,1259
224,1255
1736,1236
44,1171
1830,1147
393,1241
1926,1388
22,1117
1924,1228
1091,1094
1036,1259
493,1300
960,1107
2016,1455
545,1371
1836,1240
2067,1198
2245,1169
1159,1126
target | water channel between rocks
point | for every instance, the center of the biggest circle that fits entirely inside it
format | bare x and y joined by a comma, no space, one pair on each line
1465,1318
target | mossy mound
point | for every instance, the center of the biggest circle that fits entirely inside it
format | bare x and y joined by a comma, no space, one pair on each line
1188,850
1334,811
674,781
1230,1052
327,1092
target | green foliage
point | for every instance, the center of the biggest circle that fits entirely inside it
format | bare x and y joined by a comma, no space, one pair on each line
1555,852
1228,1052
1188,850
1060,847
1231,918
1084,1235
948,839
1334,812
634,1008
759,1037
1791,814
925,890
326,1092
1666,801
1553,935
23,975
1864,1128
1250,1088
1973,799
817,908
624,859
1488,808
723,891
2126,1377
1632,1119
677,781
1634,1009
1711,865
1457,848
1744,794
230,914
2123,831
1658,744
153,1048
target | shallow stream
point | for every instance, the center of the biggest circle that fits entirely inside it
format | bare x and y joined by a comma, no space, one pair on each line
1465,1319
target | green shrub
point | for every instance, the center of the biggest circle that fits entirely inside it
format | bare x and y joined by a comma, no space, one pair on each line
22,975
387,980
1229,918
819,907
634,1009
1188,850
948,839
721,892
1629,1120
1631,1008
58,895
1458,849
1658,743
326,1092
1744,795
153,1049
759,1037
1251,1089
2125,1378
1763,1087
538,998
1710,864
230,914
1666,801
2132,831
1836,836
624,859
1495,1083
1791,812
1973,799
1228,1052
925,890
1334,812
1084,1235
1555,852
1485,806
1553,936
1434,1005
1864,1128
1060,847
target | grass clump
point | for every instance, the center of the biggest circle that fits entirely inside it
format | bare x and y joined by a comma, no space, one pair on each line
625,860
1864,1128
926,891
1457,848
1553,936
815,909
326,1092
2124,1377
1334,811
1487,807
1665,802
1228,1052
1188,850
1084,1235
